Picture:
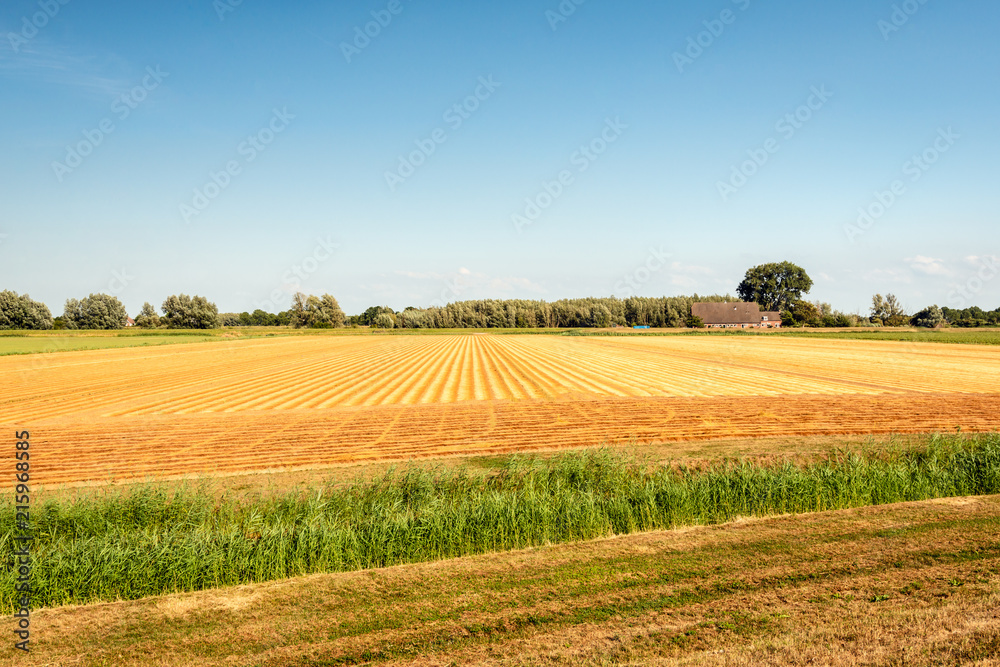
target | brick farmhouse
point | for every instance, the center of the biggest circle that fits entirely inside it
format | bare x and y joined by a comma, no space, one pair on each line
737,315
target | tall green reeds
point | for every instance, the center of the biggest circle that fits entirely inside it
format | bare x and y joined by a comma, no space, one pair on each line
149,541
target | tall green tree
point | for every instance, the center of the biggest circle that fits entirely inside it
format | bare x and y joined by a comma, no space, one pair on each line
97,311
317,312
383,321
185,312
368,317
19,311
260,318
803,313
929,317
600,316
888,311
775,286
147,317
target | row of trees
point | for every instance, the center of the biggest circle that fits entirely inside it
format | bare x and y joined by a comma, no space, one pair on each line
527,314
971,317
103,311
889,312
257,318
315,312
775,287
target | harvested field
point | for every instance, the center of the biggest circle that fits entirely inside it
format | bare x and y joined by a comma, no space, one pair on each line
320,401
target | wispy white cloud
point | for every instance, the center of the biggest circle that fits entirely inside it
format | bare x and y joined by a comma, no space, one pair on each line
928,265
55,66
877,276
980,260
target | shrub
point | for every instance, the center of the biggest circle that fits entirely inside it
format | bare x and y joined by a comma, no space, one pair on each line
929,317
147,317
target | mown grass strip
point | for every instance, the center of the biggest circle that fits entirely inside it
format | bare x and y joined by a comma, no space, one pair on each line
151,540
795,576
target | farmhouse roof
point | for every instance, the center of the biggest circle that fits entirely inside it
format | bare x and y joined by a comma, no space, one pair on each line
772,316
738,312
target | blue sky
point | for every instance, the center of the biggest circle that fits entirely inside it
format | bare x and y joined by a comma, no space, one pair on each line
251,153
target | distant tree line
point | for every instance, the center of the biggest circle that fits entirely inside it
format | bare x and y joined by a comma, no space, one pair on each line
257,318
307,311
660,312
524,314
103,311
971,317
775,287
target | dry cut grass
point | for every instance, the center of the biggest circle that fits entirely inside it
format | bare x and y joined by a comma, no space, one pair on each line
319,401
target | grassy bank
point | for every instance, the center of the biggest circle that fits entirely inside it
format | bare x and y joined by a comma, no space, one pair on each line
913,582
149,541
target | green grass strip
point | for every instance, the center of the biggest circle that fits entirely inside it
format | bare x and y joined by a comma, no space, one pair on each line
152,540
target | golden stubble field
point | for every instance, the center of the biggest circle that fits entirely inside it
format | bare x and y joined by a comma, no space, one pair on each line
313,402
